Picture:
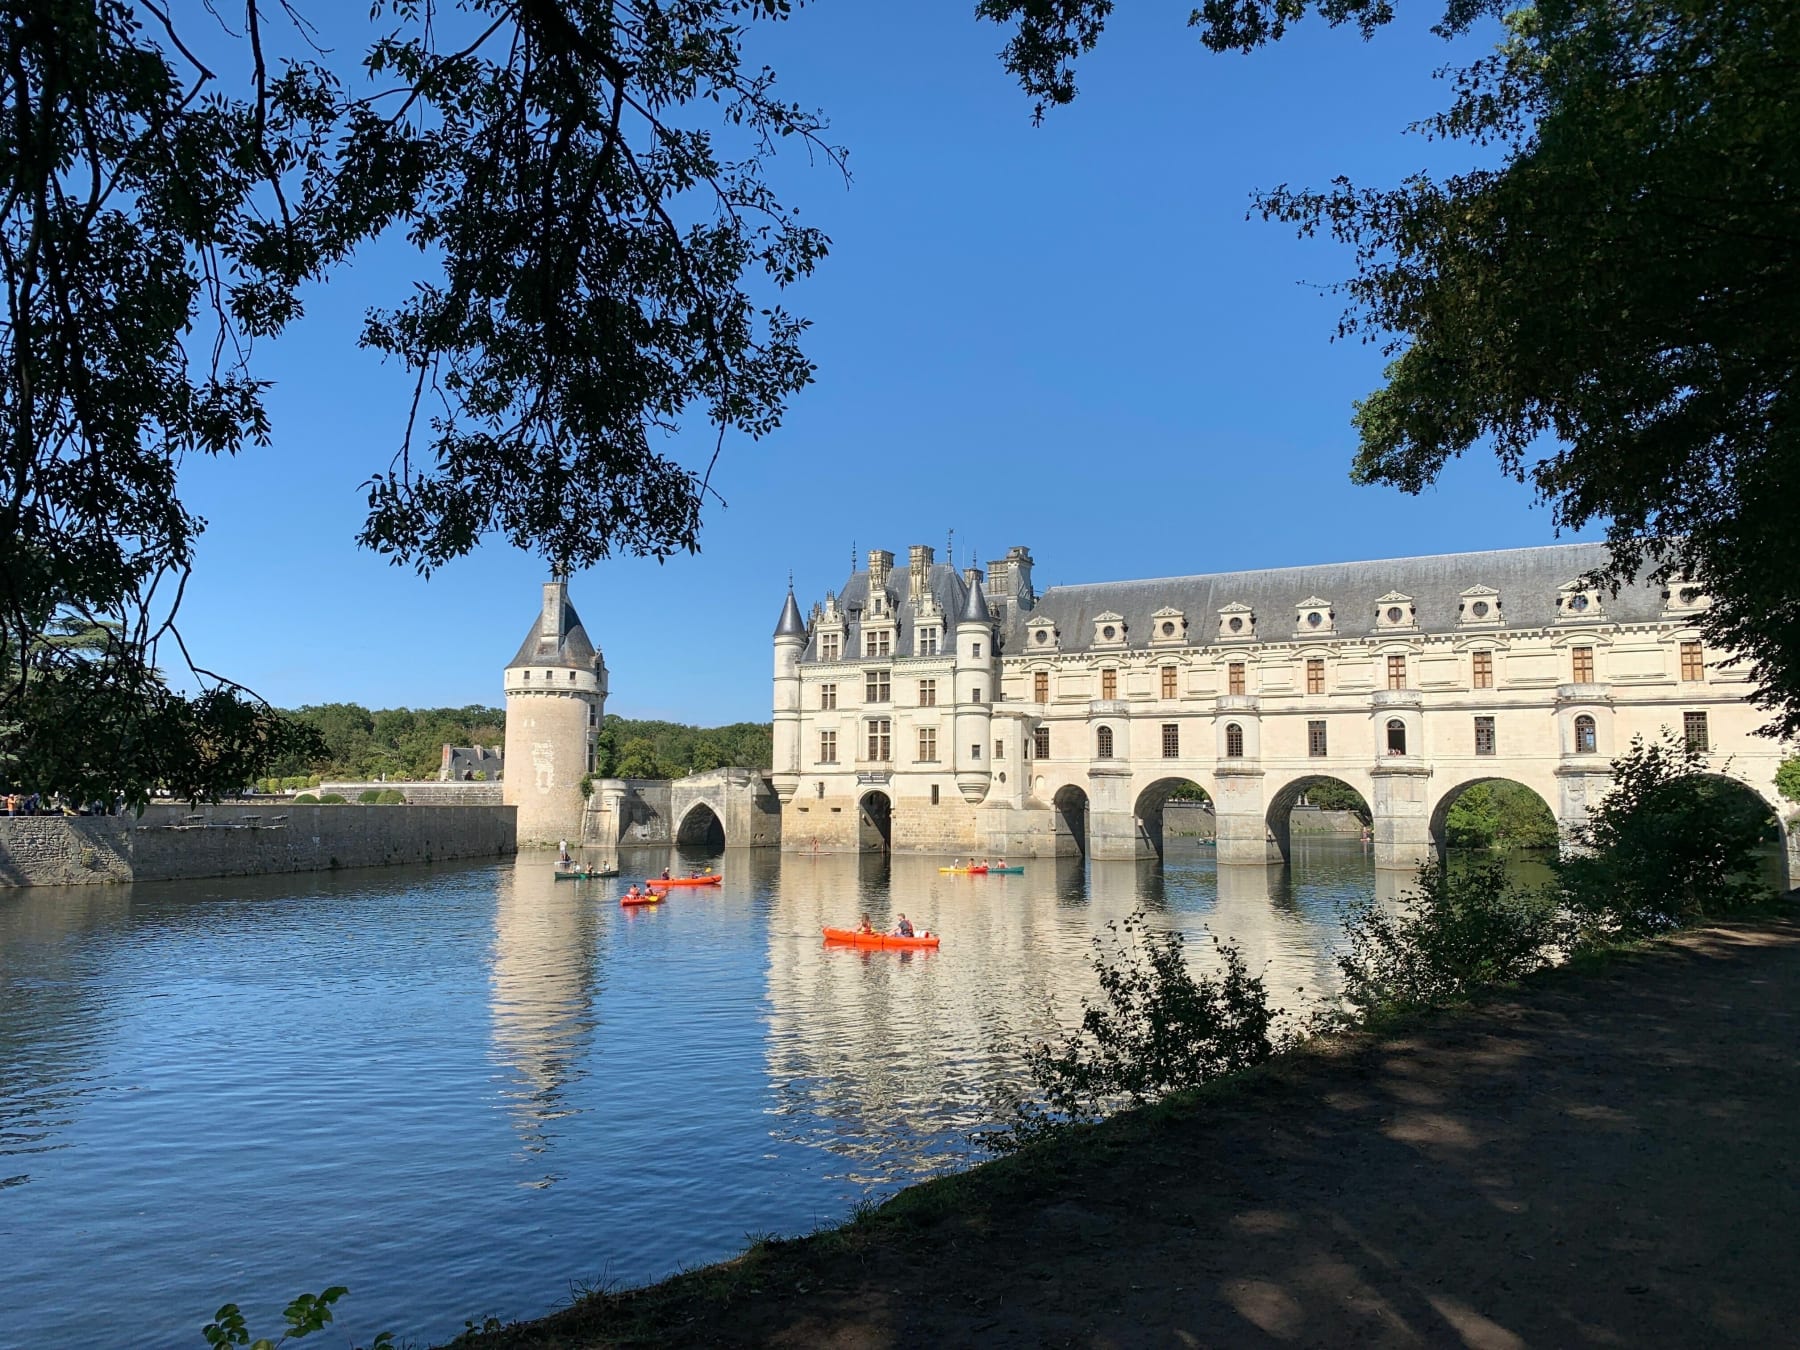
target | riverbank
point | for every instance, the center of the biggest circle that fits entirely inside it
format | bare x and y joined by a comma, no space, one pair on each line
1603,1157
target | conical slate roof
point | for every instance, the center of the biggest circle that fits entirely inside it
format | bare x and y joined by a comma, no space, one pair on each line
575,649
975,608
791,624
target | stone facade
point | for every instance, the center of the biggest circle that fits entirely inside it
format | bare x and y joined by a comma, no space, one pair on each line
729,807
923,709
555,700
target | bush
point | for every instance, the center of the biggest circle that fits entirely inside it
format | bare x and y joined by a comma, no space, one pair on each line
306,799
1460,928
1158,1029
305,1315
391,797
369,796
1668,845
332,799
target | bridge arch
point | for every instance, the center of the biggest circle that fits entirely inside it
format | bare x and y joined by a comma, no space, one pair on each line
1071,820
701,827
1155,796
875,822
1342,794
1502,813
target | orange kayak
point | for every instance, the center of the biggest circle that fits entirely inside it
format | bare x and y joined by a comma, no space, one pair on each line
850,937
662,882
652,898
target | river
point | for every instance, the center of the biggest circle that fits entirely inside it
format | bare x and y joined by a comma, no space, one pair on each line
468,1089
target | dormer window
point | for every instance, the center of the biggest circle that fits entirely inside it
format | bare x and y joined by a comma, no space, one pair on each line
1395,613
1041,635
1577,602
1681,596
1168,628
1237,623
1478,607
1109,630
1313,616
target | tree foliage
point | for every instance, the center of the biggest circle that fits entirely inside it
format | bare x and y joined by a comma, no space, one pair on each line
357,743
598,248
1670,843
1609,306
1787,778
1499,814
1331,795
630,748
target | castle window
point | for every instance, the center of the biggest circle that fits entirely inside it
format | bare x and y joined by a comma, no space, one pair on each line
1315,674
977,651
1171,740
975,695
1484,735
827,697
1396,736
1581,660
1234,677
877,643
876,686
1040,686
1041,742
999,749
928,693
1109,683
881,739
927,745
1103,743
1483,668
528,675
1315,739
571,677
928,641
1168,681
1234,741
1693,661
975,750
827,748
1693,727
828,646
1396,672
1586,740
934,794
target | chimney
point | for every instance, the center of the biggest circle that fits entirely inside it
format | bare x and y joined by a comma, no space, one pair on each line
919,560
881,564
556,599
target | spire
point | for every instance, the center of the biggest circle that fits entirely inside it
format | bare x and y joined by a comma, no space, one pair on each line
975,608
791,625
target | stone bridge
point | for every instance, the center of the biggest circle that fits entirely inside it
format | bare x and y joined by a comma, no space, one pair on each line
722,808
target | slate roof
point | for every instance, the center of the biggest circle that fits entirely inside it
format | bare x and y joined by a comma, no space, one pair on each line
790,624
1528,581
575,650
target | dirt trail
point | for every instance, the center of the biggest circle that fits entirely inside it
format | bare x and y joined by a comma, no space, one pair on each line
1601,1161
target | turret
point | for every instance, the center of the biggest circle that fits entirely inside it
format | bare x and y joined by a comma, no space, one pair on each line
555,700
790,642
977,684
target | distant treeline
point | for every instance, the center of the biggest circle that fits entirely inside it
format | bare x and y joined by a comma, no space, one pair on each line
365,744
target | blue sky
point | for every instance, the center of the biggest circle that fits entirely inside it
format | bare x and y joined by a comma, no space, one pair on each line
1068,337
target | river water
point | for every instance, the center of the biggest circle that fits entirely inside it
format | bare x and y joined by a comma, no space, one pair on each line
465,1090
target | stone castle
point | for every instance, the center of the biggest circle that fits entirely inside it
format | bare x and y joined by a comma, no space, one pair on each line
922,708
555,700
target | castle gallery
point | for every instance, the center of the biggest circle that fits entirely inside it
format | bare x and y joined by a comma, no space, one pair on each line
925,709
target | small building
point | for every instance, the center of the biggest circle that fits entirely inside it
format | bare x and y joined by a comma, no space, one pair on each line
471,764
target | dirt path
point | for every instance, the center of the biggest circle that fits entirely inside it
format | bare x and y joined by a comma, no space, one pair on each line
1602,1161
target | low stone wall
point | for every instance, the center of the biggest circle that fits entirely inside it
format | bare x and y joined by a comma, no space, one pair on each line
429,792
174,843
1310,821
1188,820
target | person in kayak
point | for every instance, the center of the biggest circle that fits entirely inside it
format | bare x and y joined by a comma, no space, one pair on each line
865,926
633,893
665,875
903,927
562,858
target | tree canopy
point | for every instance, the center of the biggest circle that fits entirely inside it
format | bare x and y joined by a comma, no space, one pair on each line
1609,308
598,251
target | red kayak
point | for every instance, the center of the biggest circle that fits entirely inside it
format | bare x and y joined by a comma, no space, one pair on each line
850,937
649,898
662,883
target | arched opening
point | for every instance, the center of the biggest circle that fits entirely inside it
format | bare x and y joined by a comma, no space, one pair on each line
1396,736
1103,743
1327,808
1071,805
875,823
701,828
1586,736
1740,797
1174,808
1234,741
1492,814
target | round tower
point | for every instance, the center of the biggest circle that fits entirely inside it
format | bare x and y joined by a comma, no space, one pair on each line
555,698
790,642
977,678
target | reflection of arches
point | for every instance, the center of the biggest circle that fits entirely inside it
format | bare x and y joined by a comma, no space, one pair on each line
1152,800
1337,795
1538,833
701,828
875,822
1071,805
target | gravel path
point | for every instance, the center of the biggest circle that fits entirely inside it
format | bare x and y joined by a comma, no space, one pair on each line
1603,1160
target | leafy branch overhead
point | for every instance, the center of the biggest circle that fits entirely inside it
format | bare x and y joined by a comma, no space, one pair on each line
599,253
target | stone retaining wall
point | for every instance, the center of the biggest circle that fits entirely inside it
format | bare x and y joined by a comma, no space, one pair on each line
429,792
175,843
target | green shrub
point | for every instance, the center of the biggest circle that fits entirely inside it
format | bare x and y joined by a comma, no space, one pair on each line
1460,928
306,799
332,799
391,797
1668,845
305,1315
369,796
1157,1029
